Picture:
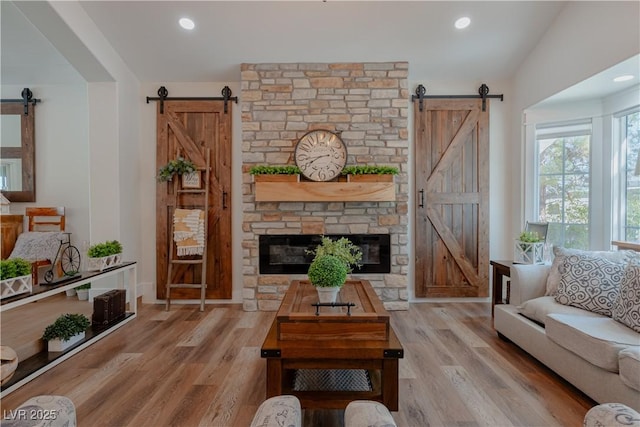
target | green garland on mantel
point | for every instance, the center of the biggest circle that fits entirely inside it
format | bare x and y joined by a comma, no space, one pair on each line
348,170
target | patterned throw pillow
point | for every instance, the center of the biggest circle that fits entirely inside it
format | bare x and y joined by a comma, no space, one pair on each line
560,254
626,308
590,283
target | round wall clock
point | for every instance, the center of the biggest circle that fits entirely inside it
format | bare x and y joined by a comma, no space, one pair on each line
321,155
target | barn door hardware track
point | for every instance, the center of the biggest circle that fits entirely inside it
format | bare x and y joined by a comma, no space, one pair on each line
163,96
483,93
27,98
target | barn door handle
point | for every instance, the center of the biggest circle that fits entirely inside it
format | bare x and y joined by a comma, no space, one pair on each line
224,200
421,204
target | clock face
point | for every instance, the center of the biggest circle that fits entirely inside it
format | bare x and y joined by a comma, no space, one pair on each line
321,155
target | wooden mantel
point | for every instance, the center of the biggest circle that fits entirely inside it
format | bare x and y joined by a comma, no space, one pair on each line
289,188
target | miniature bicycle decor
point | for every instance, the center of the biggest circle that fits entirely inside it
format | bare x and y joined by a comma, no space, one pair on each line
69,257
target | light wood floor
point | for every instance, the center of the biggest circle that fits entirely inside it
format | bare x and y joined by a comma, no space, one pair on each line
187,368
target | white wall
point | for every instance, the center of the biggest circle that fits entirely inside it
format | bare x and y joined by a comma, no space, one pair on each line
585,39
62,153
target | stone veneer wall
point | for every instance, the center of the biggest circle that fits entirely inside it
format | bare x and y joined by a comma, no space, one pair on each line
368,104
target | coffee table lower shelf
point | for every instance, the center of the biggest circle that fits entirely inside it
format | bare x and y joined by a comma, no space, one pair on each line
378,358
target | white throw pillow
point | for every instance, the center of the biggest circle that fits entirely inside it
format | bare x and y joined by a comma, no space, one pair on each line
626,308
590,283
560,253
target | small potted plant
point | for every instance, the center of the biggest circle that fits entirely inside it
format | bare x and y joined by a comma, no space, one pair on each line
67,330
275,173
333,260
179,166
370,173
15,277
104,255
83,291
327,273
529,248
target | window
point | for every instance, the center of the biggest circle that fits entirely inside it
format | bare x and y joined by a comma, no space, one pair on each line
563,177
629,143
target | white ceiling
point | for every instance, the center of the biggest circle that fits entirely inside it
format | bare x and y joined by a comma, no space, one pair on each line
228,33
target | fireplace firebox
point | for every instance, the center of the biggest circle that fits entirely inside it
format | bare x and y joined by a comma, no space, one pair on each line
288,253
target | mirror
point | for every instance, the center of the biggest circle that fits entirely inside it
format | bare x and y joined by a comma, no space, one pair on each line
18,152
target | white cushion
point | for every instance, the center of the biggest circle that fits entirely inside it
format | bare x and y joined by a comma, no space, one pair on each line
367,413
590,283
611,415
278,411
538,308
559,253
629,360
626,308
598,340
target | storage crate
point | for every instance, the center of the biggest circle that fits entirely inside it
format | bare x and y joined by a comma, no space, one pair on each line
528,253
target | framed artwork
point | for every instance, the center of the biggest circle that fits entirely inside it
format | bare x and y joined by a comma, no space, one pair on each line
191,180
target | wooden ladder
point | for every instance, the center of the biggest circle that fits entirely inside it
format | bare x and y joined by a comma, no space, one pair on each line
178,192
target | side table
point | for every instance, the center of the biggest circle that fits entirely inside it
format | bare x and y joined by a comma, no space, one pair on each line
500,269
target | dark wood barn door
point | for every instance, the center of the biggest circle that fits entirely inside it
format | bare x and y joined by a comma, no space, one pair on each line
187,129
452,209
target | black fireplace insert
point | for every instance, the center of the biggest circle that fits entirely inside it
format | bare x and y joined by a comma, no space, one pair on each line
288,253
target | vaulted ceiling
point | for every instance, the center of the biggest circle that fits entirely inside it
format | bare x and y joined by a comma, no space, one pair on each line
147,36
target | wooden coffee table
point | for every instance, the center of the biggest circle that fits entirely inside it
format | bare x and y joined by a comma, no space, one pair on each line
356,339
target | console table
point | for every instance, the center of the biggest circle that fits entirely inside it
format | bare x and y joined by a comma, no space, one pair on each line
358,337
501,269
40,363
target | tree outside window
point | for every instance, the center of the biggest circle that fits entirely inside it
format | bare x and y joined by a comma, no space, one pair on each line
630,143
563,184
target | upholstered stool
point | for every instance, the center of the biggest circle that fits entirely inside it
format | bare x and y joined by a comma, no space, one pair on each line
41,411
367,413
278,411
611,415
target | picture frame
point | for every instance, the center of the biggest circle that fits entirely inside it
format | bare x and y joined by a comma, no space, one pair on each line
191,180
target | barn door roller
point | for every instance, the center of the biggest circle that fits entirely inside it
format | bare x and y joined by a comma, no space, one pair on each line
483,93
163,96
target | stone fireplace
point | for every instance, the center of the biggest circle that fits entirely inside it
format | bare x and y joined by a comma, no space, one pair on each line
367,103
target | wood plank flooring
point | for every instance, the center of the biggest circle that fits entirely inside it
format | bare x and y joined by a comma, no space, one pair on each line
191,368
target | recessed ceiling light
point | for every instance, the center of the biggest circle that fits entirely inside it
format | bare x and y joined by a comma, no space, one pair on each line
187,23
462,22
624,78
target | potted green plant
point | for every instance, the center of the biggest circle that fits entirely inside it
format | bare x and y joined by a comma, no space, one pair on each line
104,255
275,173
15,277
529,248
179,166
83,291
67,330
327,273
370,173
333,260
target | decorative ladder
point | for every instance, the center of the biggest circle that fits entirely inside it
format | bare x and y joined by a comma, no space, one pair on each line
179,191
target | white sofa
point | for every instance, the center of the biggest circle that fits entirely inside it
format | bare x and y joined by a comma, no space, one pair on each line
595,353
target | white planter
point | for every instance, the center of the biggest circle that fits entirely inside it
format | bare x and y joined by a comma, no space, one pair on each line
99,264
327,294
528,253
15,286
83,294
71,292
58,345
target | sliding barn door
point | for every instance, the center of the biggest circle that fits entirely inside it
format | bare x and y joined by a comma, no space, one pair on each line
187,129
452,181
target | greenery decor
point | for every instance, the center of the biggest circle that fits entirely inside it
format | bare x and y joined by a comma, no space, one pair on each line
85,286
178,166
274,170
14,267
342,248
370,170
327,271
110,247
66,326
530,237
